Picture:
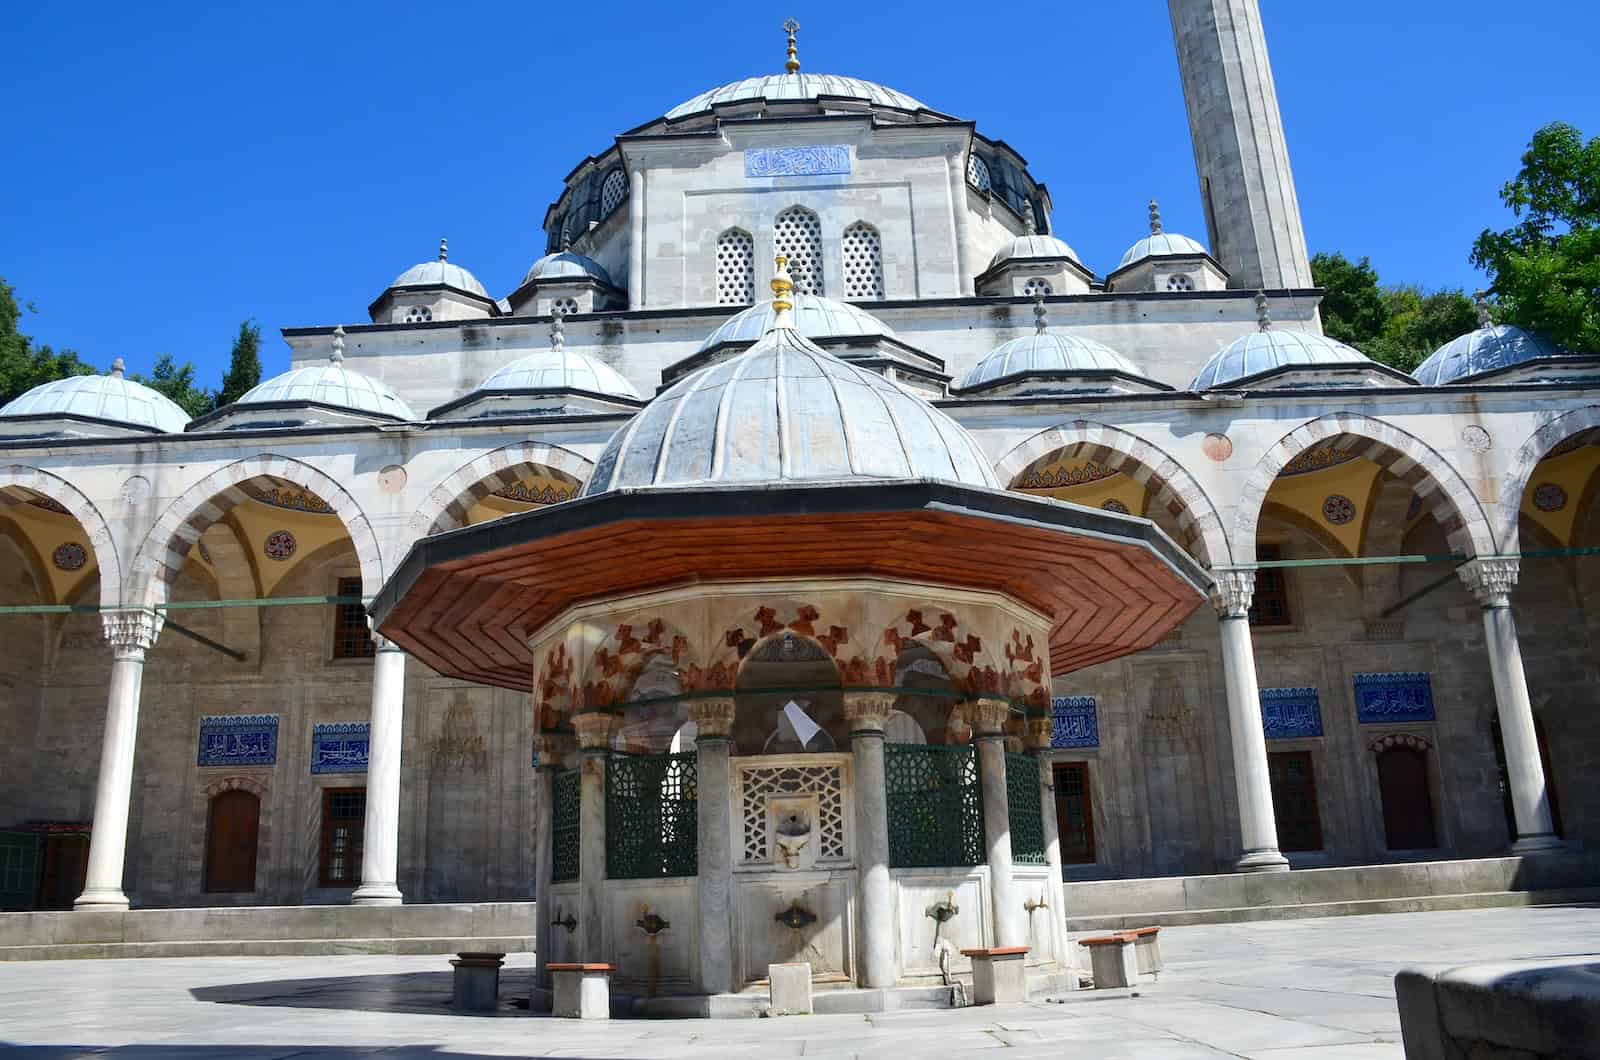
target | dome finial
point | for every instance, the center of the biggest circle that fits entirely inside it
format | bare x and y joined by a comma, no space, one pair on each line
1027,221
790,26
782,288
558,333
1485,317
1263,311
444,249
336,355
1155,218
117,368
1041,319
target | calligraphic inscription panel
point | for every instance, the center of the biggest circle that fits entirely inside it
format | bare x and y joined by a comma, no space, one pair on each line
1386,698
340,747
1291,713
825,160
1074,722
238,740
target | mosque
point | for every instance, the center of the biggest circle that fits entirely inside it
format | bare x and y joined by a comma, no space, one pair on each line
812,553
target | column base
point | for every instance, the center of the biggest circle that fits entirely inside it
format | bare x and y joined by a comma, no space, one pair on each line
110,899
1262,861
1538,844
376,894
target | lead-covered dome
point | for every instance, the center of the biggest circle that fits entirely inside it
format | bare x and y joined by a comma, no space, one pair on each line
1271,349
1047,352
1034,246
111,399
333,385
815,317
440,273
786,411
566,265
1161,243
796,86
1489,348
560,370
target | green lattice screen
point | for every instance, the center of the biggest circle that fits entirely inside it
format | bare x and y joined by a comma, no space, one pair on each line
1027,816
566,798
652,819
935,806
21,863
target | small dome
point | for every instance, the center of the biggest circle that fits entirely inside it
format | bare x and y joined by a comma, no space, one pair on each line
1046,352
781,87
440,274
1033,245
560,370
1484,350
786,411
1262,351
566,265
112,398
1160,245
815,317
330,384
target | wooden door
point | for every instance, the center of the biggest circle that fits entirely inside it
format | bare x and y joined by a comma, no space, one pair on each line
1074,813
1407,803
231,833
1294,800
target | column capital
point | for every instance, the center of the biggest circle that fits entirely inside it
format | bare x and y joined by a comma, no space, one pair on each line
1036,733
868,711
384,644
987,717
713,718
133,631
1491,580
551,747
1232,592
594,730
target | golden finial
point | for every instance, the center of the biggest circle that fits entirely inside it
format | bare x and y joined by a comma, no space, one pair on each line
782,288
790,26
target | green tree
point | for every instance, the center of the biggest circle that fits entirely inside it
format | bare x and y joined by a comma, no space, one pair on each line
24,366
1395,325
1353,309
1546,268
244,365
177,383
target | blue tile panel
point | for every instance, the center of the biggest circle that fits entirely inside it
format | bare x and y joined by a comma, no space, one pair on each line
797,161
1290,713
1382,698
340,747
238,740
1073,722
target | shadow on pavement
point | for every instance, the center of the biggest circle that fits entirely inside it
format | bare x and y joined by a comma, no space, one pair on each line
419,992
237,1052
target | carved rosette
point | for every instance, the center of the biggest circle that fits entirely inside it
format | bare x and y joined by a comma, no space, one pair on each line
1036,732
987,717
868,711
1491,580
594,730
1232,592
713,718
132,633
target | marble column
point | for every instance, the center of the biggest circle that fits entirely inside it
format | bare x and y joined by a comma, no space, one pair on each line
594,744
987,717
713,720
636,239
1258,828
131,634
1491,581
1038,738
868,713
552,748
380,852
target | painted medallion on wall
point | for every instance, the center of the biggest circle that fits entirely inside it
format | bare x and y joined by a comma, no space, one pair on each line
1074,722
238,740
1290,713
280,545
340,747
1386,698
69,556
1549,497
1338,509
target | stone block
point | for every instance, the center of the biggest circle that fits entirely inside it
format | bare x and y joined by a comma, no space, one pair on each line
999,975
476,983
791,989
1111,960
1542,1009
582,991
1147,950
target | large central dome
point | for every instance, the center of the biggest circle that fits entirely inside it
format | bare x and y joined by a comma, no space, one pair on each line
779,87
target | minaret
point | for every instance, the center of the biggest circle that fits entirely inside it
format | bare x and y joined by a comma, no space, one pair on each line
1252,212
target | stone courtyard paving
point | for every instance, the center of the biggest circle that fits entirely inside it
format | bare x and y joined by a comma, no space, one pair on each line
1307,989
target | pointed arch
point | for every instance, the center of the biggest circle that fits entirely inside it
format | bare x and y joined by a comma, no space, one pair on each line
863,263
797,235
161,555
1444,493
447,505
1553,432
736,267
1173,488
81,508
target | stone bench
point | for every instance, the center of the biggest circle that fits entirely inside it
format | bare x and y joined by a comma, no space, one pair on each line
1111,959
999,975
477,981
1147,950
582,991
1519,1010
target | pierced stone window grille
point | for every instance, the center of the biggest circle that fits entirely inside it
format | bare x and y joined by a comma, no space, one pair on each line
1180,282
652,821
1027,815
935,806
418,314
797,234
736,268
565,792
565,306
757,784
863,262
612,192
978,173
1036,287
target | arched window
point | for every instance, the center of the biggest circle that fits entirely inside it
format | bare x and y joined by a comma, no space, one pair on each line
863,262
418,314
797,234
233,825
613,191
1037,286
736,268
978,173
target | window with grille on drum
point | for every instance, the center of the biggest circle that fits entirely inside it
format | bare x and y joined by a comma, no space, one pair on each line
564,307
1036,286
1180,282
797,235
736,268
863,263
418,314
613,191
344,822
978,173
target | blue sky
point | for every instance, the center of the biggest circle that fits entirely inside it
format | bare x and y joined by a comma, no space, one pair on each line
173,169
